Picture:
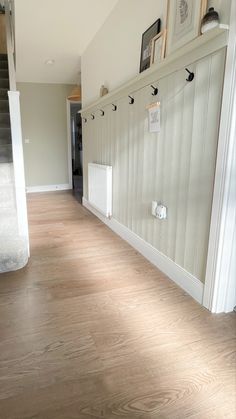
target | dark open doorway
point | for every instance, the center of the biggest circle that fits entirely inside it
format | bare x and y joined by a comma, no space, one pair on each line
76,150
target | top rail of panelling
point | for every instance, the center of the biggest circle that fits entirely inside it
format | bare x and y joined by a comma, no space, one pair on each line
200,47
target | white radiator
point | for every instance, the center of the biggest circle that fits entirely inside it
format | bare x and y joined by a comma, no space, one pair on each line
100,188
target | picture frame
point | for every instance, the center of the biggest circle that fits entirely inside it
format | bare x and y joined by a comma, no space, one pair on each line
158,47
184,21
148,35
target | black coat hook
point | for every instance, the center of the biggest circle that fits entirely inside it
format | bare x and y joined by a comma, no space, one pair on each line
85,119
114,107
92,116
155,90
131,100
102,112
190,75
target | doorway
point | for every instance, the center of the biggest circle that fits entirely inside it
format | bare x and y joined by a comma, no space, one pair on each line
76,150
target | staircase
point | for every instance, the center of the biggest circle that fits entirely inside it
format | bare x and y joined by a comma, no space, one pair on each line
14,237
13,248
5,128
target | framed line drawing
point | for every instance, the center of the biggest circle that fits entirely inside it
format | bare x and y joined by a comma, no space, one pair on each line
184,19
158,47
148,35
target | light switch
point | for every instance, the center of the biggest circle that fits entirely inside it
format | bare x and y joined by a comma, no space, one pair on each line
27,141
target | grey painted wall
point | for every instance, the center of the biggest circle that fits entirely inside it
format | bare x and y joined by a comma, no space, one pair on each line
175,167
44,123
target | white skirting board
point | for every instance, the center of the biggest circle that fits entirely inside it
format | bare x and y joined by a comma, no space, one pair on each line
48,188
180,276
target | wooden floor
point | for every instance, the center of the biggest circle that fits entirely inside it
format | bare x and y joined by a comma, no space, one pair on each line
90,329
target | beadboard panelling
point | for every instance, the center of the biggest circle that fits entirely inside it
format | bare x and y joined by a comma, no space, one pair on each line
175,166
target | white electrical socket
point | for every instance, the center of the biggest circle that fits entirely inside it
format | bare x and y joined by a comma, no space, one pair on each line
159,210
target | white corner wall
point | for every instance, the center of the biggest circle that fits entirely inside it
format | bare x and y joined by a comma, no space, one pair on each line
44,125
113,56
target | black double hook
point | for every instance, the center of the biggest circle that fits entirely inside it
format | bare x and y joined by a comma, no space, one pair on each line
114,107
131,100
190,75
85,120
102,112
155,90
92,116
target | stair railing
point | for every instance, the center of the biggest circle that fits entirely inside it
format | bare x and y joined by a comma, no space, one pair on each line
10,46
16,129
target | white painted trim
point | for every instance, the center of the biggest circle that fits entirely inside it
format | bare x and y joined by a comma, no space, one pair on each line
48,188
18,164
180,276
230,297
69,148
218,285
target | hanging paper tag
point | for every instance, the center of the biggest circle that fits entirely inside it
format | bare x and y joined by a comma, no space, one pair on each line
154,114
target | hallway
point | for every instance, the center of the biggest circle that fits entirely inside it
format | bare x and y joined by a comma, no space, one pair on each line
90,329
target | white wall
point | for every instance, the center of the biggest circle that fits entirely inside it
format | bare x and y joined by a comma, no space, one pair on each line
114,54
44,124
59,30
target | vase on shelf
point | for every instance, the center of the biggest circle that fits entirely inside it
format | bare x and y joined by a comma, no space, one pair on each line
210,20
103,91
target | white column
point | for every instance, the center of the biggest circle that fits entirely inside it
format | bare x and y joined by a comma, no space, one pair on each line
18,160
220,285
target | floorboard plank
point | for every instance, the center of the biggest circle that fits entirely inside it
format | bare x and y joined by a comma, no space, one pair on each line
90,329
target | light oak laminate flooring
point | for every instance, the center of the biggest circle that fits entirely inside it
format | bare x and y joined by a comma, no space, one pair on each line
90,329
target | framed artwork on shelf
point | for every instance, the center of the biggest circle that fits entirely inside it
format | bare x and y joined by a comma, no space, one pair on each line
184,20
148,35
158,47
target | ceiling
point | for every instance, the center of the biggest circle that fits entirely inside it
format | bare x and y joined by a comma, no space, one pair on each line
56,30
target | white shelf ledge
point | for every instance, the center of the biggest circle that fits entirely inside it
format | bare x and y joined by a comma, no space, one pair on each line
200,47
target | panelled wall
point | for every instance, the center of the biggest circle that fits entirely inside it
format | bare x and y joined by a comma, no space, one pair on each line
175,167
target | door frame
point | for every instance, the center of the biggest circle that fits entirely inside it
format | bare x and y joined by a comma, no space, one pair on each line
220,286
69,148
